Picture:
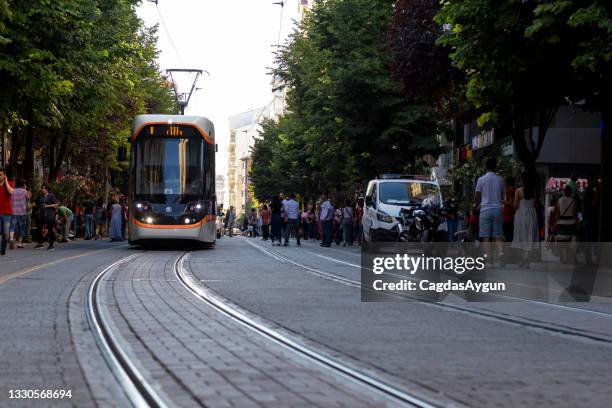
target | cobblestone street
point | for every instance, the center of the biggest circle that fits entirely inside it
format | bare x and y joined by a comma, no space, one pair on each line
193,353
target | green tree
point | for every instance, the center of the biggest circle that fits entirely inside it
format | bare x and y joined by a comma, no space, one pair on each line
421,64
354,121
509,77
76,72
584,31
523,60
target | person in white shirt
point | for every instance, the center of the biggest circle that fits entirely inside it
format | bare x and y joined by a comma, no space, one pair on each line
326,217
489,197
292,211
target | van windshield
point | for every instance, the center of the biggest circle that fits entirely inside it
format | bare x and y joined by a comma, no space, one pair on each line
407,193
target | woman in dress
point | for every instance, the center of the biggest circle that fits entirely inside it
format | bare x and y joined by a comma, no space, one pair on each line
116,211
525,234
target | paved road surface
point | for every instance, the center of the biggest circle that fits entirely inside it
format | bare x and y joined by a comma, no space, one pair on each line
191,354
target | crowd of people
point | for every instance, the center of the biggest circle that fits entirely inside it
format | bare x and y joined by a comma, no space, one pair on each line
42,218
284,218
505,212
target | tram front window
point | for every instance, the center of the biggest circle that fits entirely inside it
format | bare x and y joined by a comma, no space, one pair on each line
170,169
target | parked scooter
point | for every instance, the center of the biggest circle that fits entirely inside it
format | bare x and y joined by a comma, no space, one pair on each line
421,224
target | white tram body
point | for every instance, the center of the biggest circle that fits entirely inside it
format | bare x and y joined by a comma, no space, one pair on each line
172,180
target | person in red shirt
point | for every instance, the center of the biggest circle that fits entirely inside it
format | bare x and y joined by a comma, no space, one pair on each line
6,212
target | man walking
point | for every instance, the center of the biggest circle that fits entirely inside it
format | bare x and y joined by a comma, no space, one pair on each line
6,212
326,217
489,199
292,209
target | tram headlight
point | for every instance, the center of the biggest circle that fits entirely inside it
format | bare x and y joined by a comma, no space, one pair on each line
142,206
149,220
197,207
187,220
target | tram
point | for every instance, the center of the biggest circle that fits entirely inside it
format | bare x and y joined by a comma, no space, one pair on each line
172,180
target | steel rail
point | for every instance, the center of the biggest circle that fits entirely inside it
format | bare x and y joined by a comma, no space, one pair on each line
505,317
138,390
337,367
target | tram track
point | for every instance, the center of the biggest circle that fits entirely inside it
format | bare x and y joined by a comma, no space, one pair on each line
138,389
360,377
535,324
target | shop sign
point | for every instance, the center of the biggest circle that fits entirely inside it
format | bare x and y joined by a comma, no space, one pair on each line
483,139
557,184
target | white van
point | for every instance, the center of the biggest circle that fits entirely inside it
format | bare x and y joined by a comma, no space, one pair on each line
384,199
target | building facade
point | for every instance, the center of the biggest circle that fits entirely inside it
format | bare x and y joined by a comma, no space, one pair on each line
244,129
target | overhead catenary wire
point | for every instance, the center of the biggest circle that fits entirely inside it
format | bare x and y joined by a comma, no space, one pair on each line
280,24
161,18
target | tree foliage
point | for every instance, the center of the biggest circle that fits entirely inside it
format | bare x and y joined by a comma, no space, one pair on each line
349,120
420,63
524,59
74,74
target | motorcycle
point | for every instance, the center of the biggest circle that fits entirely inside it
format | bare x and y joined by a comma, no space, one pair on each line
421,224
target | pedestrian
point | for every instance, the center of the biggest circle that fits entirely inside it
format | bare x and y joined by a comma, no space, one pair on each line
6,212
78,221
65,215
276,221
19,206
565,219
509,209
337,226
319,222
326,217
451,219
28,232
231,219
252,223
573,183
304,224
100,218
589,231
283,214
488,198
265,222
348,215
359,220
259,224
88,217
45,223
124,217
292,216
525,234
116,210
312,222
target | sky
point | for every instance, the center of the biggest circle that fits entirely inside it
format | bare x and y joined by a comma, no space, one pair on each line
233,40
